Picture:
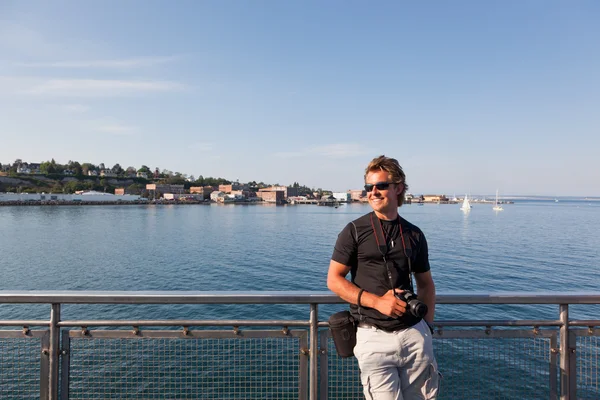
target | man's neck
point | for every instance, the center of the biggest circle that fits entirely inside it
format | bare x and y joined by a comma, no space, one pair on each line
388,216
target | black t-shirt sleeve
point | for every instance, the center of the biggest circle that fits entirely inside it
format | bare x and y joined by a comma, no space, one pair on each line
346,248
422,259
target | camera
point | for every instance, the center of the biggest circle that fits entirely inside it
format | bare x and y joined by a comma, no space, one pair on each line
414,305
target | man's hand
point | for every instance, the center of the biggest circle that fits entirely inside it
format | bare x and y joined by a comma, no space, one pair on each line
390,305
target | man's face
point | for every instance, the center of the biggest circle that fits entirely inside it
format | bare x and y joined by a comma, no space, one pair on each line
386,200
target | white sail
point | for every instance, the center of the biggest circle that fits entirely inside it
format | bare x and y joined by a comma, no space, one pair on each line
466,205
497,207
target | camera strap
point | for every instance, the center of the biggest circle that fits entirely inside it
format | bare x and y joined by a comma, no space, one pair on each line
384,248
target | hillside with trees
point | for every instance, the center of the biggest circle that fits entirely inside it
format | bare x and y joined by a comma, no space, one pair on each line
52,177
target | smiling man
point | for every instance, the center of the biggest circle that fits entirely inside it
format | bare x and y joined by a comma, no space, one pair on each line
381,250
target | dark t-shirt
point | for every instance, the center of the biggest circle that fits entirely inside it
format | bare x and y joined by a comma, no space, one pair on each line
357,248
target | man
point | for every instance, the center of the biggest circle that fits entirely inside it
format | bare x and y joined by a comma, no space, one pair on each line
393,346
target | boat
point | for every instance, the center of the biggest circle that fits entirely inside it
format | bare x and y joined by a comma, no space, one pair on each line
466,205
497,207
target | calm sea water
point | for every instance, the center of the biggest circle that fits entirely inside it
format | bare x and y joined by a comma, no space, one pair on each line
531,246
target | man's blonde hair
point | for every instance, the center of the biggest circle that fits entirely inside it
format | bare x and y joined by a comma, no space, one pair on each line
394,170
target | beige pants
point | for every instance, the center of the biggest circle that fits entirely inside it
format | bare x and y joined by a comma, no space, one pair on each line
397,365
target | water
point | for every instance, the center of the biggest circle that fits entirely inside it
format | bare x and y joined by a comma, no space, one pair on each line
531,246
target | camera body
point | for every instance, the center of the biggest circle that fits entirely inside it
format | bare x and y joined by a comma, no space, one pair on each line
415,306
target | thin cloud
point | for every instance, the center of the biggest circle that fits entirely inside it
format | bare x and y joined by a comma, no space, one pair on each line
337,150
100,87
340,150
75,108
201,147
117,129
291,154
115,63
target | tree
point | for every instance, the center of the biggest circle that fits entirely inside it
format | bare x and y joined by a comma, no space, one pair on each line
144,168
117,169
75,167
135,188
101,166
85,167
47,167
130,170
56,188
73,186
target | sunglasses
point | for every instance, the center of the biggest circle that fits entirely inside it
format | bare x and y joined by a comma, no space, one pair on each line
379,185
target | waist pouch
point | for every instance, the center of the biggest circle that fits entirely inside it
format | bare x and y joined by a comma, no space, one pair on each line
343,330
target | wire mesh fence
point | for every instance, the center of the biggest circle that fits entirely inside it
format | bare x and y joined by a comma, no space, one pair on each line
214,365
20,364
506,364
501,361
587,363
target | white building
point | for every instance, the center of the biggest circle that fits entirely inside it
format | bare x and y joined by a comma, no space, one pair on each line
221,197
91,196
108,173
183,196
342,196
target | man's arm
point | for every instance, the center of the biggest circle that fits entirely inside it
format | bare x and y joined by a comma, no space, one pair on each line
387,304
426,293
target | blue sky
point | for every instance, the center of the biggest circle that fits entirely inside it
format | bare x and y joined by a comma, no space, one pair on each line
469,96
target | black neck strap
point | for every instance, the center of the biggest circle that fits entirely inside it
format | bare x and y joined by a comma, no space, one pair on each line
384,248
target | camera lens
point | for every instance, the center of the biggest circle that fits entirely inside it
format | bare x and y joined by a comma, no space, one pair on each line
418,309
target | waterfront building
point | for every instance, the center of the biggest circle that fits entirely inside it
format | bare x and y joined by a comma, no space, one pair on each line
434,198
342,197
287,191
221,197
271,196
229,188
164,188
183,196
205,191
357,194
123,191
90,196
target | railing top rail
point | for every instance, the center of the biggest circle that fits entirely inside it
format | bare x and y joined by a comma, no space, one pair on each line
272,297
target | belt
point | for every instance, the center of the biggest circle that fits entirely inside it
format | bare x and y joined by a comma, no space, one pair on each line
366,325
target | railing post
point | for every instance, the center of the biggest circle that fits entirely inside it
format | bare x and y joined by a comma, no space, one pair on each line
324,364
54,352
314,352
565,354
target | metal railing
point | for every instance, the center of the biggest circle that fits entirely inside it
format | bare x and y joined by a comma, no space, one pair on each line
281,358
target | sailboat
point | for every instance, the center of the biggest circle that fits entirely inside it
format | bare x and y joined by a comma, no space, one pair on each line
497,207
466,205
